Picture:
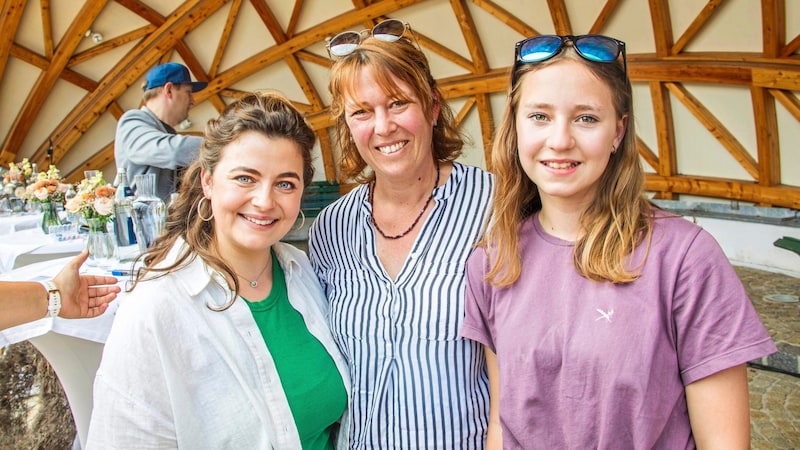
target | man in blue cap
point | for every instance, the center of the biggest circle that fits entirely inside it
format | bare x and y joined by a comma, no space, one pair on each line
146,140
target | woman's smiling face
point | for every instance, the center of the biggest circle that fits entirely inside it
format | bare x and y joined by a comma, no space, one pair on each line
255,193
567,128
394,136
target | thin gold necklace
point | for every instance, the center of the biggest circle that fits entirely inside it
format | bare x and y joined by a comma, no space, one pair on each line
254,283
419,216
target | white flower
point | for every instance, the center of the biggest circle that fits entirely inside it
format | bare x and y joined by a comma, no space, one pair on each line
19,192
41,193
73,204
104,205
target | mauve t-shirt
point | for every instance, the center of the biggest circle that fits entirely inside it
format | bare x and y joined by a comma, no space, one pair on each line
585,364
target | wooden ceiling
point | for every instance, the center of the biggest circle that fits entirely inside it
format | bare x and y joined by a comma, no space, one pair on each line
48,63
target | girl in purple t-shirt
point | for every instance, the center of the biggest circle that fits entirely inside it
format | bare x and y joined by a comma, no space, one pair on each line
607,323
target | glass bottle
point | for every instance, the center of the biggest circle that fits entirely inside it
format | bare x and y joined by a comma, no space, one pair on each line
149,211
123,214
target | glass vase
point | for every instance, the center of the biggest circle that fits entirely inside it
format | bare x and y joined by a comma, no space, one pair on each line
49,216
102,249
149,211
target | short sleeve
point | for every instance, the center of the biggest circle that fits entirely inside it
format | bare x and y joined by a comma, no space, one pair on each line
716,325
478,317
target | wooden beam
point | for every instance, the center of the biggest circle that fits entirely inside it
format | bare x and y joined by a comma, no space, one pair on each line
780,195
791,47
697,24
560,16
47,79
777,78
662,26
185,18
462,113
327,154
602,19
773,26
716,128
9,22
47,28
470,33
110,44
100,159
300,41
646,153
768,147
295,17
224,37
444,51
189,58
300,74
667,164
511,20
487,126
41,62
789,101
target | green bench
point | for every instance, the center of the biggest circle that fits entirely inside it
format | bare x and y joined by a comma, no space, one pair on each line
318,195
788,243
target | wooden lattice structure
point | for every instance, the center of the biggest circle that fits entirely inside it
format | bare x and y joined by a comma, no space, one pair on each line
52,71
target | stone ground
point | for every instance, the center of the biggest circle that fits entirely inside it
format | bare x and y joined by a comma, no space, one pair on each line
34,413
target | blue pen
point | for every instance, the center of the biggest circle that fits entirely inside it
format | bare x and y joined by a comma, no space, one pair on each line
121,273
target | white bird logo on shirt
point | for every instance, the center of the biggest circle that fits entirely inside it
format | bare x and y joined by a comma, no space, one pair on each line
605,315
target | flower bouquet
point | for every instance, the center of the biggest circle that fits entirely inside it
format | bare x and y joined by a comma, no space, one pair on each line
14,181
94,202
47,190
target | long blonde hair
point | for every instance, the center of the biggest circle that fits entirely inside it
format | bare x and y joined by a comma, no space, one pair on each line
616,222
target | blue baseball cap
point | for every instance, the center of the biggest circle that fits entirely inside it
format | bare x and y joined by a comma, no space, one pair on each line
174,73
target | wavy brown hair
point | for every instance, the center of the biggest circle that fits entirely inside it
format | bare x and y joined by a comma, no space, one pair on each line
400,59
268,113
616,222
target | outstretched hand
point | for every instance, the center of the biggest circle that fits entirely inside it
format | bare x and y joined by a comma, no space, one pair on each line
84,296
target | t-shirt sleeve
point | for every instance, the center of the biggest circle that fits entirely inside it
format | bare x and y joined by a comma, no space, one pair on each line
716,325
477,306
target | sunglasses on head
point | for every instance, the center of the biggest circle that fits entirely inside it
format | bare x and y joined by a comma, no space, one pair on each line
591,47
346,42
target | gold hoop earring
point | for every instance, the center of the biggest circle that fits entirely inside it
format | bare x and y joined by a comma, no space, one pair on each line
200,215
303,222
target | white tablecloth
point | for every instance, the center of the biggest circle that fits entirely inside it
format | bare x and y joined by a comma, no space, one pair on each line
11,223
32,245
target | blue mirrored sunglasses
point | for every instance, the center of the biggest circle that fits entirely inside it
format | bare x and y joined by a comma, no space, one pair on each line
346,42
591,47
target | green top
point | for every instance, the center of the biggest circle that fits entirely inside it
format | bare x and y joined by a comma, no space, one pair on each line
310,379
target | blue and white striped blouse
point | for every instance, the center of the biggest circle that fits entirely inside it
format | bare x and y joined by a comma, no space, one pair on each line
416,383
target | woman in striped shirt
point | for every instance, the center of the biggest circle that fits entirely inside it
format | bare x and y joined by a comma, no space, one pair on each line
391,253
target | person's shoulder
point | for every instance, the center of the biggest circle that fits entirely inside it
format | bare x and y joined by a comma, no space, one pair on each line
472,174
669,222
136,115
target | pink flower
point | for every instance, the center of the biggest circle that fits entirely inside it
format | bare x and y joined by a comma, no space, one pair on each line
104,205
41,193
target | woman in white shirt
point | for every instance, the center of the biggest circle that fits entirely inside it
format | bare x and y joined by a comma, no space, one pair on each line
223,341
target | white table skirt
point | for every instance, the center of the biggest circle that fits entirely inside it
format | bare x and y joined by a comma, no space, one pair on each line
73,347
11,223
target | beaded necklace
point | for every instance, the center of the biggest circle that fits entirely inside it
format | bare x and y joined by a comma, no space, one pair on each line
419,216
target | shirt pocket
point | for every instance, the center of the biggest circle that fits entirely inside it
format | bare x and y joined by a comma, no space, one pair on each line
435,301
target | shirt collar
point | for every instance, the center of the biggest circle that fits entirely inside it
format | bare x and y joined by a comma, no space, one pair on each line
195,276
